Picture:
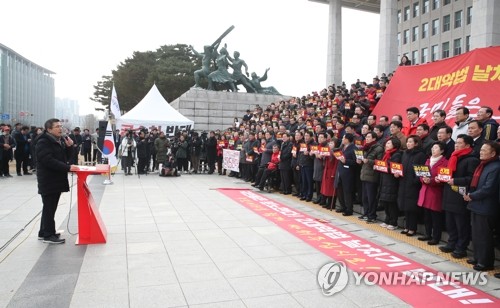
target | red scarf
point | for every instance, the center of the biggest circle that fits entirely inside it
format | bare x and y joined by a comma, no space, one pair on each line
479,170
388,154
452,162
367,146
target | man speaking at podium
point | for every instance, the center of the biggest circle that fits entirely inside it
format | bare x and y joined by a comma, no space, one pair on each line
53,150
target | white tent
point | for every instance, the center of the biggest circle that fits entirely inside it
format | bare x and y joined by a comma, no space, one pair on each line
154,110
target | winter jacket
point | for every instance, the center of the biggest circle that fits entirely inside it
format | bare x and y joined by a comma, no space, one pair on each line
409,183
376,151
453,201
388,183
52,164
484,198
431,195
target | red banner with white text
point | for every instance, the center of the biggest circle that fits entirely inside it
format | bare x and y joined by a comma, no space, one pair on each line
470,80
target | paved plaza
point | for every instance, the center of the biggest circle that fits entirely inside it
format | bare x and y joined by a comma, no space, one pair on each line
179,242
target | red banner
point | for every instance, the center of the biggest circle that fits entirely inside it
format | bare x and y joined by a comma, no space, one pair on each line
363,256
470,80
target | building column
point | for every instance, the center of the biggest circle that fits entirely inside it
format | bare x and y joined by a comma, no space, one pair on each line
485,26
334,53
388,44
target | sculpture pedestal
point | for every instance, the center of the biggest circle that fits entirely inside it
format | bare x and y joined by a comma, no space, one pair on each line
211,110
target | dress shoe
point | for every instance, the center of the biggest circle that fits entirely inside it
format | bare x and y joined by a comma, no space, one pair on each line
347,214
424,238
472,261
411,233
339,211
457,254
254,185
404,231
433,242
27,173
316,201
286,193
497,275
303,198
445,249
363,217
261,188
19,174
482,268
371,221
308,199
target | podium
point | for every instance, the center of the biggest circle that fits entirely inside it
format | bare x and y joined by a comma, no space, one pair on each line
91,229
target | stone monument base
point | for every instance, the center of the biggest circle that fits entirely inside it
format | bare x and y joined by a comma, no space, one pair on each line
212,110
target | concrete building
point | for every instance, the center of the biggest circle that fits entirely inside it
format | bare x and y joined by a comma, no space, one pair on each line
67,110
424,30
26,90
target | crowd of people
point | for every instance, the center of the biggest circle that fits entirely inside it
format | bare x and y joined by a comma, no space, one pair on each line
328,148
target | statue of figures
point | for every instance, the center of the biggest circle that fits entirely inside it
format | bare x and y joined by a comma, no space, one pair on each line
256,80
221,75
238,76
209,55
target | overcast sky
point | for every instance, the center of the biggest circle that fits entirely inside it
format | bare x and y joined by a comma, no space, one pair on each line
83,40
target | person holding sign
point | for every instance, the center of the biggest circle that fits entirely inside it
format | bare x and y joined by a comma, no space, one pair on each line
306,163
389,185
344,178
369,177
409,183
327,182
462,164
483,204
431,196
285,165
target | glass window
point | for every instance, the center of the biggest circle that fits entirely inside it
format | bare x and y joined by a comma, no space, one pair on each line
458,19
435,26
425,6
457,46
399,16
469,15
414,57
425,30
406,13
399,38
414,34
467,43
445,2
446,23
424,56
435,52
446,50
406,36
435,4
416,9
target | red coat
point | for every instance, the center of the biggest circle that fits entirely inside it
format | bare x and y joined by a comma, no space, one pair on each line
412,129
327,187
431,195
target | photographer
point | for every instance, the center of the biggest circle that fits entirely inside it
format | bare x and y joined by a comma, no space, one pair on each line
181,154
195,149
127,152
142,153
161,146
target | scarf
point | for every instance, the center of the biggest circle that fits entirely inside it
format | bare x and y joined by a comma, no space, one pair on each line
388,154
433,160
479,170
367,146
452,162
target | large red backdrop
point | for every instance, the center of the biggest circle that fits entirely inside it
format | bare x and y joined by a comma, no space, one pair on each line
471,80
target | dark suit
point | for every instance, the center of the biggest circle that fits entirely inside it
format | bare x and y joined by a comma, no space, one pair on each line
344,179
449,149
285,166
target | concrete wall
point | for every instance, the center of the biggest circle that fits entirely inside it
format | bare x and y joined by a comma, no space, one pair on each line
211,110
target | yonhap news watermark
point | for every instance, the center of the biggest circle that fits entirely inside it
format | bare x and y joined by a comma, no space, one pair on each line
333,277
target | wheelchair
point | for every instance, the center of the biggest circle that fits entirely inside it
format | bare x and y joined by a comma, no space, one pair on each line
273,181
